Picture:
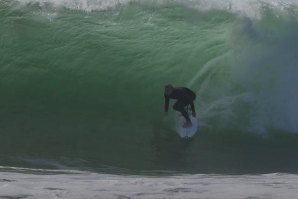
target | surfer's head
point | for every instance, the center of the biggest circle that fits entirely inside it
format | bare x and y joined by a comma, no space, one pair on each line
169,89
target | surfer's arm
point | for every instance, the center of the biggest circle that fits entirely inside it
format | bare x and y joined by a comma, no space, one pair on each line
167,100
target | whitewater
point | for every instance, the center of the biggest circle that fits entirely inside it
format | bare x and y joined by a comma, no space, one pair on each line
76,185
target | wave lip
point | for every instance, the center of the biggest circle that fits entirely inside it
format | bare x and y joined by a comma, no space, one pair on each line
85,5
248,7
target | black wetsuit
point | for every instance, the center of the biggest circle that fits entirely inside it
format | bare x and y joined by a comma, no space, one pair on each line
184,98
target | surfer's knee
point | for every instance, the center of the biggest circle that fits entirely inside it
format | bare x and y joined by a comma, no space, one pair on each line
177,107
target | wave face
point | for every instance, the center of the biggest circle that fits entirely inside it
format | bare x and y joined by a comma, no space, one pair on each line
82,84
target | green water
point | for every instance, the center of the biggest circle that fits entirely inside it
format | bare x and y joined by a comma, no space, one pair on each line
85,88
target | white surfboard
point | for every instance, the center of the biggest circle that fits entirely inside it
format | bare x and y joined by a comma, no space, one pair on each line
189,131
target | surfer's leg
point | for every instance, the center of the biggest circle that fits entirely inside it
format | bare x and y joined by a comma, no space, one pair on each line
179,106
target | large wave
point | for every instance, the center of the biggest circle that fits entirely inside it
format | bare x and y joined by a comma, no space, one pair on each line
86,88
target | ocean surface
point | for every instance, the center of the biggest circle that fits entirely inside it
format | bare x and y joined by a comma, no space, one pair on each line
81,97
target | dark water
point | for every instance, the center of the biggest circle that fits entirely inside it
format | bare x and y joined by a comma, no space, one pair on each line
82,85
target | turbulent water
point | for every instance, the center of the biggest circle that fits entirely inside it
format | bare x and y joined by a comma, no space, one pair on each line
82,85
77,185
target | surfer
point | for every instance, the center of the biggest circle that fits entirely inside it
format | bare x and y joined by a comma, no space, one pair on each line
184,98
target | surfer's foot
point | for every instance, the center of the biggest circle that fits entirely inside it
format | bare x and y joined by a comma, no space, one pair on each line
187,125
